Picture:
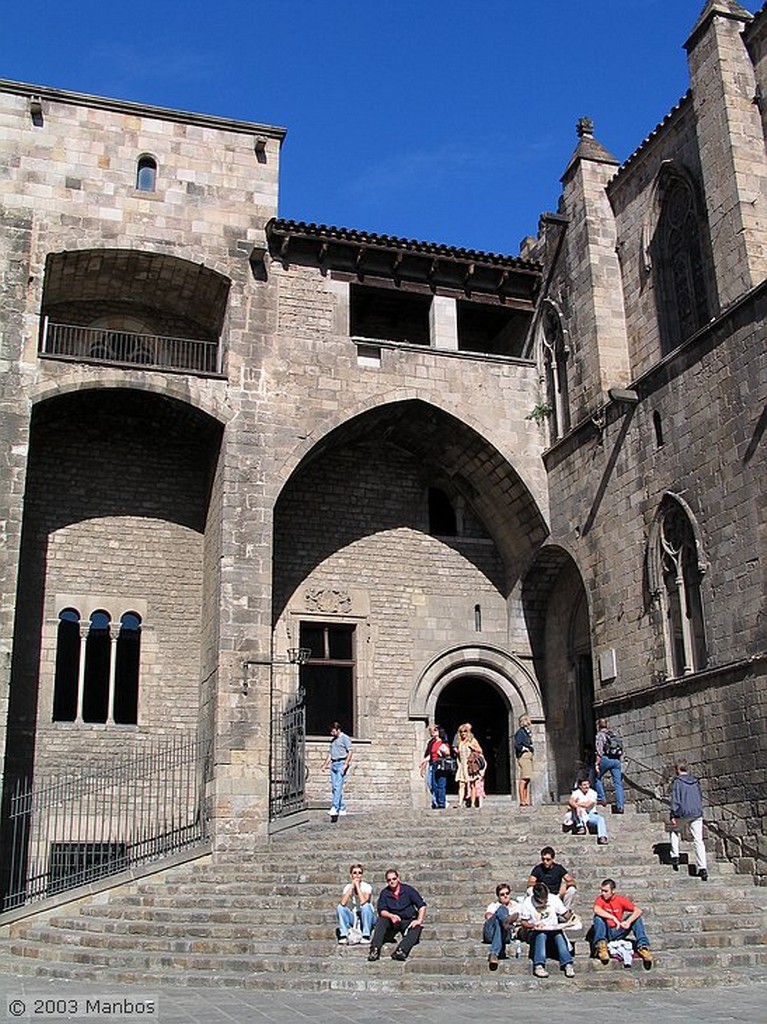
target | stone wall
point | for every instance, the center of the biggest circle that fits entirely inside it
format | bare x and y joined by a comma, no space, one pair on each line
709,398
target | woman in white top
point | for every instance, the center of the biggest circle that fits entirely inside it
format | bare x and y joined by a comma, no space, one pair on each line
355,908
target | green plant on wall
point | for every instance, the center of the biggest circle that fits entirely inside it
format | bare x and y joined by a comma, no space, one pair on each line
539,412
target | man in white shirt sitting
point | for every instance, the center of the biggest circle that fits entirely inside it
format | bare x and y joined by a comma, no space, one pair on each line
583,812
543,916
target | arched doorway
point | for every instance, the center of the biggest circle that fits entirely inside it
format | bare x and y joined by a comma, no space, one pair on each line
472,699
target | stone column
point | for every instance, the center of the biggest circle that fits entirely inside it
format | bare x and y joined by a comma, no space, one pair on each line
731,146
443,323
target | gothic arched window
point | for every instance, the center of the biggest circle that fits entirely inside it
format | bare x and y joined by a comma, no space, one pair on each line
555,355
677,259
676,570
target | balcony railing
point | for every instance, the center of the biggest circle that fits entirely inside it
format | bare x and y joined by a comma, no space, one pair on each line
125,348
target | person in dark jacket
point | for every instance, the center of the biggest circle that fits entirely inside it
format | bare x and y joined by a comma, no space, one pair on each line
687,806
400,909
523,751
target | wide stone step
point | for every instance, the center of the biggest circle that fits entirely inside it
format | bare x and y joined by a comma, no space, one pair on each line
265,919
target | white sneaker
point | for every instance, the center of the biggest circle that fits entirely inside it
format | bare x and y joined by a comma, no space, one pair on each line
569,971
332,812
539,971
344,811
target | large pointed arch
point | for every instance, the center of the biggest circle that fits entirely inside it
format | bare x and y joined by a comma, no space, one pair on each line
455,451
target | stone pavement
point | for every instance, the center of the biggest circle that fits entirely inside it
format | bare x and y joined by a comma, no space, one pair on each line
19,996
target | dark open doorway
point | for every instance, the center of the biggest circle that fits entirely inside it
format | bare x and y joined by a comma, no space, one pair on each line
472,699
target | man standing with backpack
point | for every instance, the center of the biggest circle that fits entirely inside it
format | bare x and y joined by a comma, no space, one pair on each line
609,752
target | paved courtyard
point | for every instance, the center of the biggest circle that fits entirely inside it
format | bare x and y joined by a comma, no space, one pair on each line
36,999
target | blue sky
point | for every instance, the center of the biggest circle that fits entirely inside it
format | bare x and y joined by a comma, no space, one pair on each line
440,120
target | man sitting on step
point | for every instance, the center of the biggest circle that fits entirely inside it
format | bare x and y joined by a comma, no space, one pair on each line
401,909
583,812
500,918
614,917
555,877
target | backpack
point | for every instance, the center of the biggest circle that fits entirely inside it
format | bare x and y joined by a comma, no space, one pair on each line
613,746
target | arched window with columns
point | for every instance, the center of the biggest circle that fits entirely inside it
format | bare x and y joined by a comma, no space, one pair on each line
98,659
676,566
555,356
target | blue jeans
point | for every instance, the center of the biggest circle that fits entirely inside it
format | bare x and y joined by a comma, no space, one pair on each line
592,818
605,933
612,765
437,782
337,784
494,932
346,920
539,942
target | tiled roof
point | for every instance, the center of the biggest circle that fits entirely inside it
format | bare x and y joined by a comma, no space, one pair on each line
671,114
327,232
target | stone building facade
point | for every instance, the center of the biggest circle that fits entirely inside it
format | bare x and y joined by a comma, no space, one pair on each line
468,486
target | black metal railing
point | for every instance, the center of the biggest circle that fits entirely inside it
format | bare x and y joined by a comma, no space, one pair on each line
67,831
287,789
125,348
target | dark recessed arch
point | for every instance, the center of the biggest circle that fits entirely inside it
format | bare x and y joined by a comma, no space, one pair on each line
448,449
81,285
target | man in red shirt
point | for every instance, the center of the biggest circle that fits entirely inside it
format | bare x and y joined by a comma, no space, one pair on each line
614,917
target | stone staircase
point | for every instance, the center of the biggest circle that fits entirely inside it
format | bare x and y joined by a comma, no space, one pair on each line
266,920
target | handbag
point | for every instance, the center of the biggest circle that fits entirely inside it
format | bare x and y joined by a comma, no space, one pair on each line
446,764
354,936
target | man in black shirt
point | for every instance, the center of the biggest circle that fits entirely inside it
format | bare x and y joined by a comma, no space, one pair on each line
555,877
400,909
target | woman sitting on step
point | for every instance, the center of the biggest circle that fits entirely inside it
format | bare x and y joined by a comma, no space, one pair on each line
355,911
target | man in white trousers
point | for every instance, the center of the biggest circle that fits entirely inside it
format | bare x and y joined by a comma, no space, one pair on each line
687,806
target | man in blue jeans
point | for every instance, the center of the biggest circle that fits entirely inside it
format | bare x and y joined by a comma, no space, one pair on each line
608,761
543,916
338,760
614,917
500,918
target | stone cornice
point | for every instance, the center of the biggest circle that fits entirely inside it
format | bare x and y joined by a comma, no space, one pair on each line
80,99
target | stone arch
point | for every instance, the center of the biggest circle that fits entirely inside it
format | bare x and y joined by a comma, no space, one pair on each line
162,386
481,667
118,492
556,605
448,448
502,670
188,299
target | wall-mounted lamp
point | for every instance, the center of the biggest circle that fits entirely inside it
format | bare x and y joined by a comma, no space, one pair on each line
299,655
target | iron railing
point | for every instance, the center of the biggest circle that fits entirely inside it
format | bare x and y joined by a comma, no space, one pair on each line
68,831
287,789
125,348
